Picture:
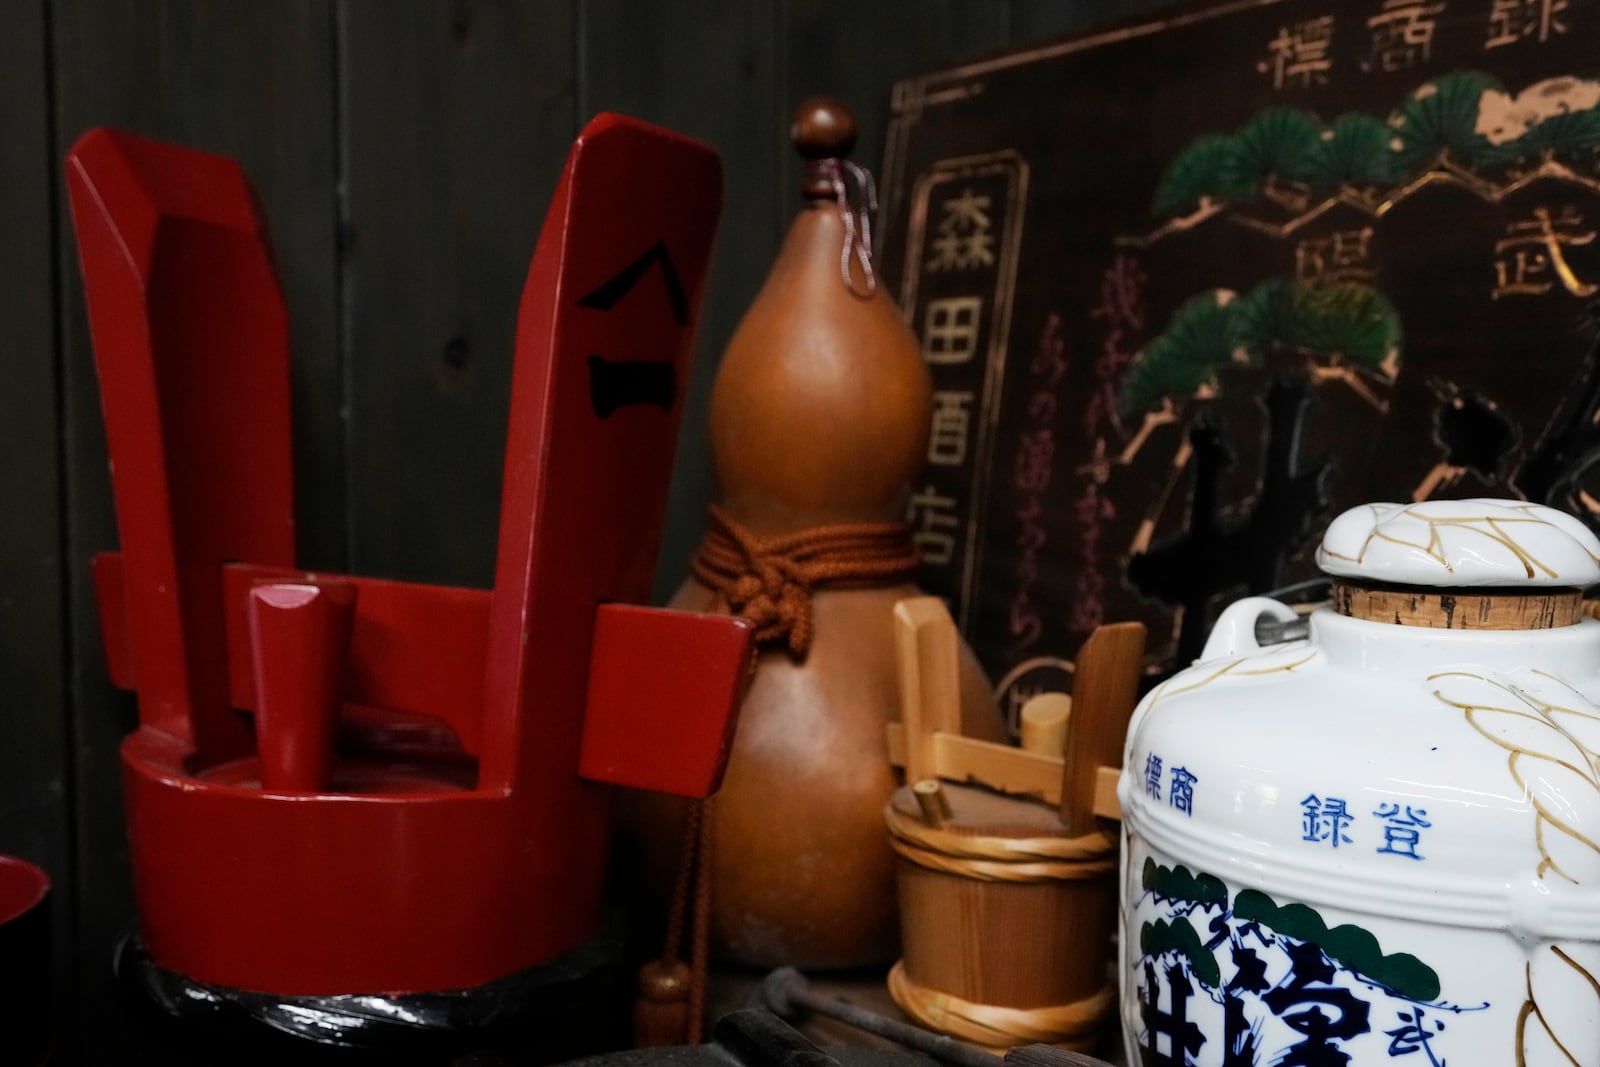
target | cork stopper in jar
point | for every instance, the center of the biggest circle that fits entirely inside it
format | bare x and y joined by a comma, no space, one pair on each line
1460,564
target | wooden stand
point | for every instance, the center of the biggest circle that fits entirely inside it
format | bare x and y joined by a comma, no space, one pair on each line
1008,888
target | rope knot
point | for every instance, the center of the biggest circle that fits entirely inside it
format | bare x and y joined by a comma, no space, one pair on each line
771,582
775,595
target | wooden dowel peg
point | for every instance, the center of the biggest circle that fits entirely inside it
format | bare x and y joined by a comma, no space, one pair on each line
1044,723
933,802
299,637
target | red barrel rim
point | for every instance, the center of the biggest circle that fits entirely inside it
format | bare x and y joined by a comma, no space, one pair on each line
23,886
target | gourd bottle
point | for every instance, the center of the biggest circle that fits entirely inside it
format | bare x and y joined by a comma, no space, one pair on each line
819,420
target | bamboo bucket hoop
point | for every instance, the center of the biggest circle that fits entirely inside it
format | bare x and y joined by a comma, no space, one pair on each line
997,858
1075,1026
1002,912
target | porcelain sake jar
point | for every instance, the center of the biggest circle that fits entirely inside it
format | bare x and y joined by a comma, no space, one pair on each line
1380,842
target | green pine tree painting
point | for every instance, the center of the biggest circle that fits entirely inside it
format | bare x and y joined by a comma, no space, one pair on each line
1355,152
1439,122
1348,325
1183,362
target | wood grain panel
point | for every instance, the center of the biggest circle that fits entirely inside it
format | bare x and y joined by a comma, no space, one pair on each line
1035,20
254,81
457,120
35,775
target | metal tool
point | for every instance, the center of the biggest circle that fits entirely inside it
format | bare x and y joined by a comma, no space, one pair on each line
788,994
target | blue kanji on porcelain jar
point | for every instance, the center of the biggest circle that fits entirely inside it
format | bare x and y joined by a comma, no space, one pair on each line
1380,842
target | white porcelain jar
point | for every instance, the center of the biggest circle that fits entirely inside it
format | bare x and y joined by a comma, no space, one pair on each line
1381,842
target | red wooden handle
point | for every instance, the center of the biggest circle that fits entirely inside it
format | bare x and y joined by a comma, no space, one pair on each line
191,341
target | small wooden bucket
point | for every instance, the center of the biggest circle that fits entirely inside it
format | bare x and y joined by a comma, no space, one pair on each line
1004,921
1008,887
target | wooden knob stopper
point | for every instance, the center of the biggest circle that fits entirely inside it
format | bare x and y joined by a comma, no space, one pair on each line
822,128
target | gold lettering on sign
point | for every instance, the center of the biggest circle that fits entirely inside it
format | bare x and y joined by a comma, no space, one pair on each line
952,427
1342,256
1513,20
1402,34
1298,56
1531,258
950,329
964,241
932,516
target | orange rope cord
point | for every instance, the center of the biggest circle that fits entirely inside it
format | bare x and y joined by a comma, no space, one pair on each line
671,1006
771,582
700,945
683,888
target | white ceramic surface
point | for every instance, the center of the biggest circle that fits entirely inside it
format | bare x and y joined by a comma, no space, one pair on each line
1459,543
1380,843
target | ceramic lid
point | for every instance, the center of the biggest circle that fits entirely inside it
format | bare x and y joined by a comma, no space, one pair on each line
1459,543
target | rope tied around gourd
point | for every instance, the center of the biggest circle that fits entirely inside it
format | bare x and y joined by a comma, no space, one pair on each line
771,581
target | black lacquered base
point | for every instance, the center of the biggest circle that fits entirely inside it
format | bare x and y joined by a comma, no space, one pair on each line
577,1004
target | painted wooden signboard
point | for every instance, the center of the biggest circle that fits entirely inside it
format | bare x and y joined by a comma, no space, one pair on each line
1190,287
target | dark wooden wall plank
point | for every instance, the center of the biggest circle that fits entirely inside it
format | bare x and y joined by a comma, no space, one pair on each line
457,119
35,774
254,81
707,69
1038,20
856,51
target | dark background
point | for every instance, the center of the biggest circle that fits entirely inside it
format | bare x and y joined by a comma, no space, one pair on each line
404,151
